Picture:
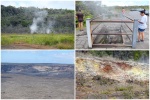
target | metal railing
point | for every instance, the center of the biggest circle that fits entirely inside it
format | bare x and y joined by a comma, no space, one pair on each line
90,31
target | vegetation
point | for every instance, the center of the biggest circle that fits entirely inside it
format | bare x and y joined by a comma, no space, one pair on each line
123,55
60,41
18,20
104,81
132,7
106,92
80,79
128,95
147,92
92,9
88,8
129,88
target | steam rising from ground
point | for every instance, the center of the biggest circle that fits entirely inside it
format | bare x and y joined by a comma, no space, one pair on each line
41,24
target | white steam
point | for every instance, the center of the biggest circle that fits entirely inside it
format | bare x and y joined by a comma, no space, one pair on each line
41,24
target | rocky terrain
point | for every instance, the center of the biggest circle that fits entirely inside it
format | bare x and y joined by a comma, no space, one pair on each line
55,70
110,78
37,81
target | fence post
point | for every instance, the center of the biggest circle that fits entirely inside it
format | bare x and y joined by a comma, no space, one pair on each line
89,32
135,31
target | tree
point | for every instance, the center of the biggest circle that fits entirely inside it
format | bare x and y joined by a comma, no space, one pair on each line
18,20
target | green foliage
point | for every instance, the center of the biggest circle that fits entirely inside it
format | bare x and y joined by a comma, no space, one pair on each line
129,88
86,12
104,81
123,55
60,41
98,53
18,20
106,92
138,54
127,8
128,92
128,95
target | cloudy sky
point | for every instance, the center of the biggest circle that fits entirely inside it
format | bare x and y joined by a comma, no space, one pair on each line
124,2
40,4
44,56
68,4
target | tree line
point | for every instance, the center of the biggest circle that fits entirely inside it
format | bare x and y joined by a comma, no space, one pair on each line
18,20
122,55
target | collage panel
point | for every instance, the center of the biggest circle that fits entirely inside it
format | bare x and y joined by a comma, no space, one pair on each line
112,24
112,74
38,74
37,25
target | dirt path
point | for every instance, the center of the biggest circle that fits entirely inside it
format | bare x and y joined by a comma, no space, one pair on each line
27,46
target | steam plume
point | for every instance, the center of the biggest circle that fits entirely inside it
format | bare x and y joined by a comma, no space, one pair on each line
41,24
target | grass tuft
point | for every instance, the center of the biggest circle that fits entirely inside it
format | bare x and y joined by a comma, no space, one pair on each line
129,88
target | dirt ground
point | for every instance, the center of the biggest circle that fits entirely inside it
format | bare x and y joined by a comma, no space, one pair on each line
94,89
16,86
26,46
103,88
108,78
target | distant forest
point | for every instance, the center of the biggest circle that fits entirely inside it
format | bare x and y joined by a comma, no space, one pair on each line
123,55
19,20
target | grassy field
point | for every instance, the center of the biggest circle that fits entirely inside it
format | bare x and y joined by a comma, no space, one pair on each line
58,41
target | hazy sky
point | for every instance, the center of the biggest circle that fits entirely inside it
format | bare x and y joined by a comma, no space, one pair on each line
68,4
42,56
124,2
40,4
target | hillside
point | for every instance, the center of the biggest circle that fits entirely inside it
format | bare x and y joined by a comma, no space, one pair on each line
36,20
50,70
107,78
37,81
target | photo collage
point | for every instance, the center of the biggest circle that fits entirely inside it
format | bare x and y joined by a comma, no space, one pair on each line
75,49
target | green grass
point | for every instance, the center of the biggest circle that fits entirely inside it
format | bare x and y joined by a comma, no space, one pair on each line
124,88
59,41
128,95
106,92
127,91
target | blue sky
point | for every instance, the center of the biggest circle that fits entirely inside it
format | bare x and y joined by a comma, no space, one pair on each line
42,56
40,4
